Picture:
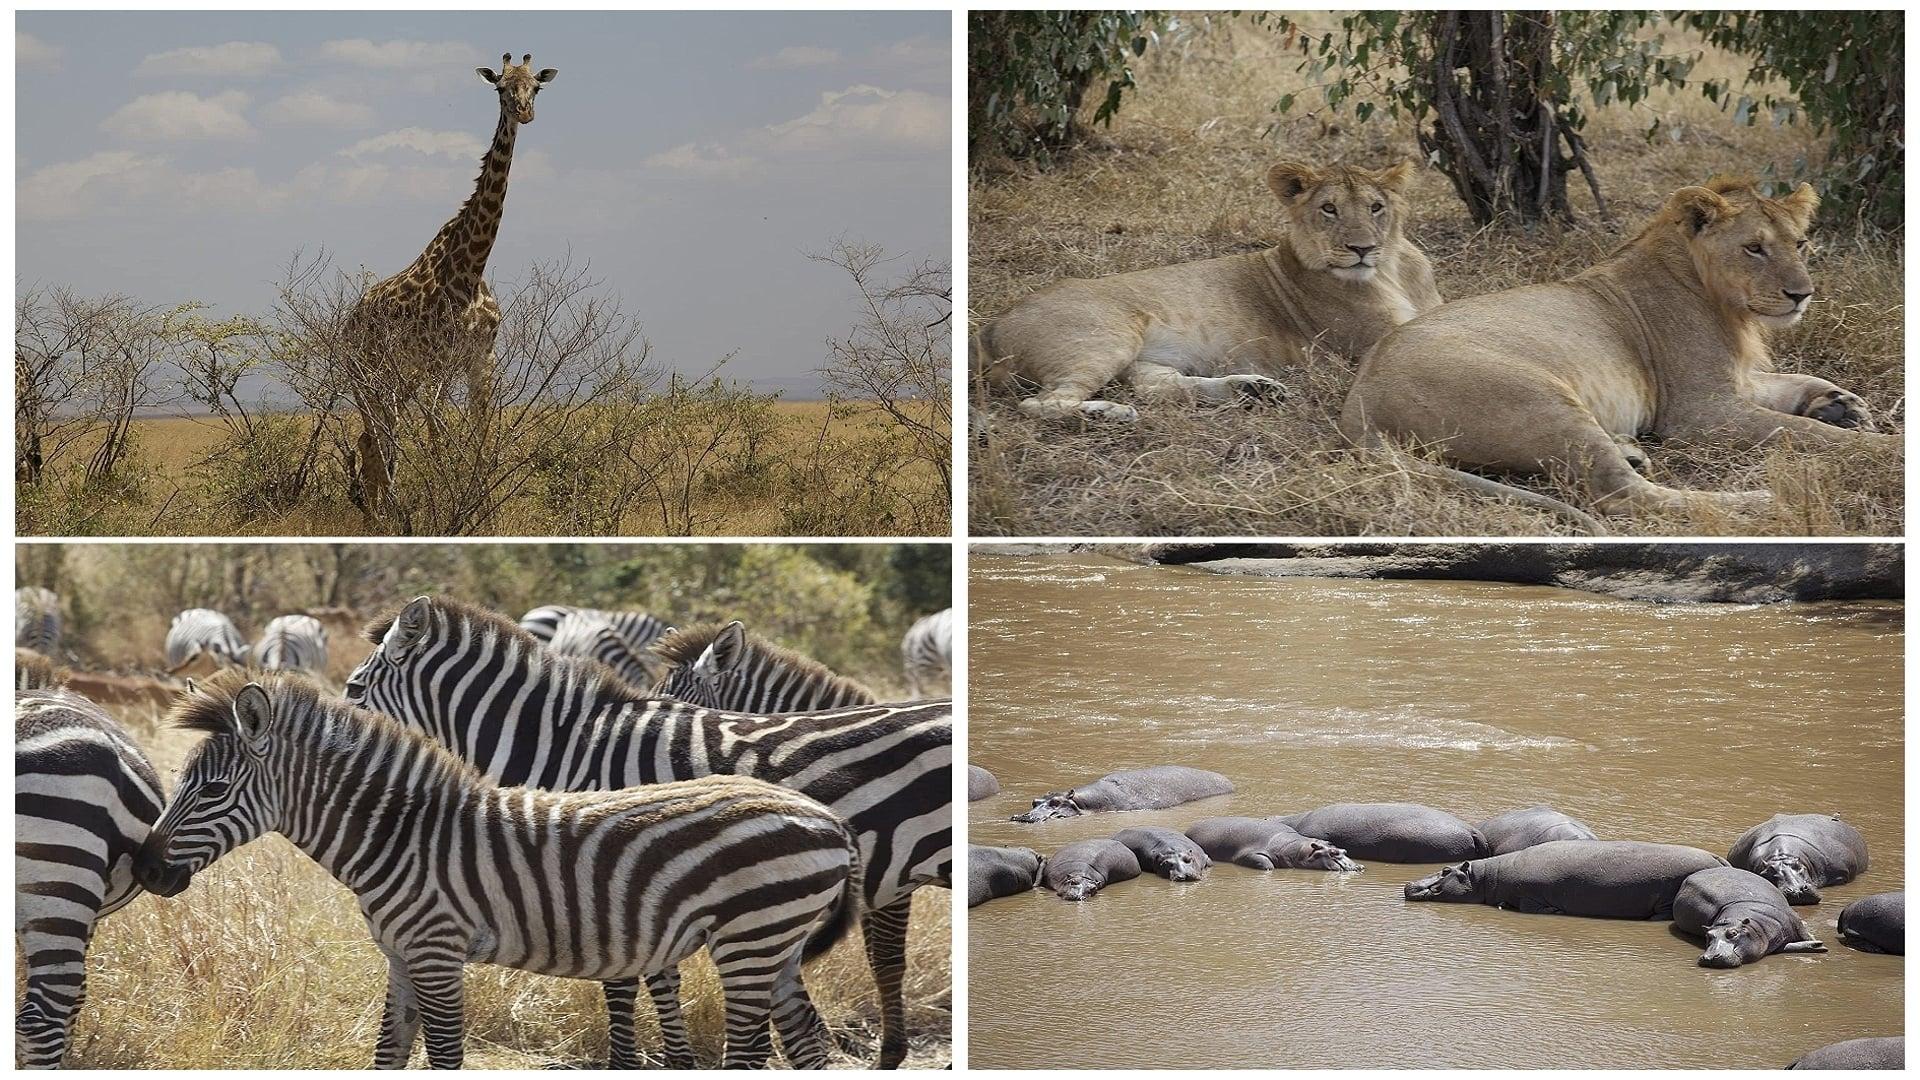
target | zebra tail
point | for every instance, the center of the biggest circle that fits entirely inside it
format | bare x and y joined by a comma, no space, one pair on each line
846,910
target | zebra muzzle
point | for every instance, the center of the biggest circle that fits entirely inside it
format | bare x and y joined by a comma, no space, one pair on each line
156,875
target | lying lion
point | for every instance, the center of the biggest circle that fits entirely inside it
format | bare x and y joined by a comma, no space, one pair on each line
1666,337
1220,330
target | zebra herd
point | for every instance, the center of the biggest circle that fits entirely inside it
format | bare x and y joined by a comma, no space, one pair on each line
491,799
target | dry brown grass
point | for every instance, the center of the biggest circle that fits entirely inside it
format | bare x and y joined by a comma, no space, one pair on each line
1179,178
265,963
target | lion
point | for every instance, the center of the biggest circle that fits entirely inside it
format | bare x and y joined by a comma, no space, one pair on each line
1221,330
1666,337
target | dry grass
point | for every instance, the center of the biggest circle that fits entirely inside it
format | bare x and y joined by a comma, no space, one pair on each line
265,963
1179,178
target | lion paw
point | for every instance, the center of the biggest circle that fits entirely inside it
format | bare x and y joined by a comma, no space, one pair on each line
1841,409
1109,410
1257,389
1636,456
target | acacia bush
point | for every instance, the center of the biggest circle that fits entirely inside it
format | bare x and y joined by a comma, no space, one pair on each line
1029,72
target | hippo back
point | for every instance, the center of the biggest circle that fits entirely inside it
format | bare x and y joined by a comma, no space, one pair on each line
981,784
1392,832
1519,829
1834,850
1876,923
1615,879
1155,788
1001,871
1705,893
1881,1053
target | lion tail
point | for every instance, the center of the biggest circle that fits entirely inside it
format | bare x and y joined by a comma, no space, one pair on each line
981,360
1482,485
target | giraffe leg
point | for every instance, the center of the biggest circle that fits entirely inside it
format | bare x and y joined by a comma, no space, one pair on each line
480,397
886,933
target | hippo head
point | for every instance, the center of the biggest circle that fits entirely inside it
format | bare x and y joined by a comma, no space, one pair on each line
1077,887
1324,856
1181,866
1794,877
1453,883
1056,804
1730,944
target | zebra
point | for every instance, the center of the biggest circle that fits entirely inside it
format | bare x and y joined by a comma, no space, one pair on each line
484,687
618,639
724,667
84,796
202,633
473,871
293,643
36,671
927,651
36,619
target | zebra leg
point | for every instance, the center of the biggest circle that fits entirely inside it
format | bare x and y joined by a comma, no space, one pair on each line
664,988
886,932
748,986
803,1034
56,988
400,1022
438,982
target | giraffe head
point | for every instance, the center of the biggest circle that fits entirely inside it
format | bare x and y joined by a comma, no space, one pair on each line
517,84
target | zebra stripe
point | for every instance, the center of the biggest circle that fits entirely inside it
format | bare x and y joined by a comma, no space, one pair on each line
724,667
636,626
203,632
589,885
580,635
36,619
84,796
485,688
293,643
927,651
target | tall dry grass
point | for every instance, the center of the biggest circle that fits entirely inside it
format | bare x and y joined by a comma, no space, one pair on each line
265,963
1179,178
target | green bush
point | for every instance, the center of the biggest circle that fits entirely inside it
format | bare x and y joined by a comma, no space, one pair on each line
1028,74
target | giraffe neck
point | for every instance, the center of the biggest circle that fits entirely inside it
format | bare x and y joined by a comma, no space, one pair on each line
459,254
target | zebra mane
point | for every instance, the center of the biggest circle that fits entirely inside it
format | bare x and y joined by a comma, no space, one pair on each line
683,647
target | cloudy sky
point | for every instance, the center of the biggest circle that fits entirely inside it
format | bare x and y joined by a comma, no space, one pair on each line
692,159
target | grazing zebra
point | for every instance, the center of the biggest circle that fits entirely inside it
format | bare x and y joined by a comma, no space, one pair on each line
586,885
36,671
84,795
293,643
927,651
36,619
485,688
724,667
618,639
203,634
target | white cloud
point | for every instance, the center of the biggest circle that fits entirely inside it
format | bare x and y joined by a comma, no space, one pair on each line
233,59
705,160
66,189
915,53
796,56
447,144
31,52
362,52
181,115
866,119
312,108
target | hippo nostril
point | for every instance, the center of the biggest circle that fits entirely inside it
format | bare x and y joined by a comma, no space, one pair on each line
1796,297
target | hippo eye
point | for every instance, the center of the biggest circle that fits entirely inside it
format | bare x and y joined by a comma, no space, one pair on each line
1329,209
1756,248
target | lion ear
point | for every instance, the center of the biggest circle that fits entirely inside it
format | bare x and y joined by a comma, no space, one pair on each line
1290,180
1394,177
1699,207
1801,204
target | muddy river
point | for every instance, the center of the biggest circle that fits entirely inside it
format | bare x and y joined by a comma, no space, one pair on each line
1684,724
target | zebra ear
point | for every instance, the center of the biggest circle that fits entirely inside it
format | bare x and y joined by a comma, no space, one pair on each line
728,648
252,713
408,628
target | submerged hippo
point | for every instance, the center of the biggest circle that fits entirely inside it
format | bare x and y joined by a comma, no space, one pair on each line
981,784
1391,832
1801,852
1882,1053
994,872
1266,844
1165,852
1600,879
1077,871
1136,789
1741,916
1517,829
1876,923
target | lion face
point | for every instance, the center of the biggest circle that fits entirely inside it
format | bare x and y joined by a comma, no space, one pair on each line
1750,250
1341,219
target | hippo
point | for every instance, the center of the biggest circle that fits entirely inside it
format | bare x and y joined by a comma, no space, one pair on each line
993,872
1266,844
1516,829
1876,923
1599,879
1391,832
981,784
1079,870
1741,916
1136,789
1165,852
1801,852
1882,1053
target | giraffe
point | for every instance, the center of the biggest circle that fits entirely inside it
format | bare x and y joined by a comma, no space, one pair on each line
437,317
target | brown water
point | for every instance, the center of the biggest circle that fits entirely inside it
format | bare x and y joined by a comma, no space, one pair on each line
1684,724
